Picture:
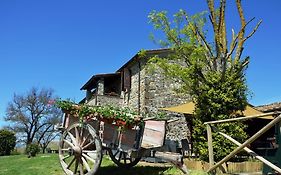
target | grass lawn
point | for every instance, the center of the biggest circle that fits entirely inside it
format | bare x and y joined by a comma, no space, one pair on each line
48,164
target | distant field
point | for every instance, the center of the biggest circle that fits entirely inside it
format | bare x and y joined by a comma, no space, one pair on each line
48,164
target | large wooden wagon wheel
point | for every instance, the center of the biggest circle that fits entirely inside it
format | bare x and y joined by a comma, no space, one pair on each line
80,150
123,159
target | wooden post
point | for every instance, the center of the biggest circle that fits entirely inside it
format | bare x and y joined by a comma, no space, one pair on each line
210,146
247,142
252,153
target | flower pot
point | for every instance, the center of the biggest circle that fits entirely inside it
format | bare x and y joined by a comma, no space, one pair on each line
120,123
107,120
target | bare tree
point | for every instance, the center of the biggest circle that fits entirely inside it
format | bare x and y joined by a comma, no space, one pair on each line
32,116
45,136
225,54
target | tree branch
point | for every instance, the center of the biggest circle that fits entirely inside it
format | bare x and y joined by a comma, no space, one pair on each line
255,29
241,32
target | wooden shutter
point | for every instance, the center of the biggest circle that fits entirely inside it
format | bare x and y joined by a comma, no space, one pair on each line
127,79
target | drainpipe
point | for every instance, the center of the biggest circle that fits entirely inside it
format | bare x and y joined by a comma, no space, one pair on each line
139,88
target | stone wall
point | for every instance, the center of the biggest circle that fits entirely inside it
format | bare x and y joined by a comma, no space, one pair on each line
151,91
134,98
160,92
98,100
178,130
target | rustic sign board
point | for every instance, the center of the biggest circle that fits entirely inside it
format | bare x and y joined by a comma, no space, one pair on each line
154,134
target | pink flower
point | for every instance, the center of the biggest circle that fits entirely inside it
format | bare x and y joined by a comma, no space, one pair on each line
51,102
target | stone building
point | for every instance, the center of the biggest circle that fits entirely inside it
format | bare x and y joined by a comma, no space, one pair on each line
133,85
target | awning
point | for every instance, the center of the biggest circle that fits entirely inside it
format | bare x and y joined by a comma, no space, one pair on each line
188,108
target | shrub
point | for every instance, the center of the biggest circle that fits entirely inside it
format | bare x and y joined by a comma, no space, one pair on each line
32,149
7,142
15,152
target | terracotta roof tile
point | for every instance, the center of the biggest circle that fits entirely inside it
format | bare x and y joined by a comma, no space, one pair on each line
270,107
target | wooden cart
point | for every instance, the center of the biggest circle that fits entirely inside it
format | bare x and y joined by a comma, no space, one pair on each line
82,143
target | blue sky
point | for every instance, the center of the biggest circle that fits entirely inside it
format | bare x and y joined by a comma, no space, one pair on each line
60,44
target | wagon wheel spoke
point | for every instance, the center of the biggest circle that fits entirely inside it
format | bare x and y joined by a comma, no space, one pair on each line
120,156
65,149
116,153
76,166
81,167
84,141
81,135
91,154
77,135
66,157
68,142
89,151
88,157
90,143
86,164
71,162
125,157
72,138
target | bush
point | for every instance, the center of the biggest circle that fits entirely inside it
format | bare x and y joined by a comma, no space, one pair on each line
7,142
32,149
15,152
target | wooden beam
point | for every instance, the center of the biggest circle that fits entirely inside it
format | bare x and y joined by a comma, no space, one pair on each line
247,142
243,118
252,153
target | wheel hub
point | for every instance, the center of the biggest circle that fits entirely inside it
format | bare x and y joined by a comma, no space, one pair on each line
77,151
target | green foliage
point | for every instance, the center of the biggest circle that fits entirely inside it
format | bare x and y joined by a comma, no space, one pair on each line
215,83
7,142
123,117
32,149
66,105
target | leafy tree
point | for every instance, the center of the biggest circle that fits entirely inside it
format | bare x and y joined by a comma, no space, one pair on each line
32,149
32,116
212,72
7,142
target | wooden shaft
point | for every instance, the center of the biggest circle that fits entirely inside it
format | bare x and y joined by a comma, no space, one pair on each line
247,142
252,153
243,118
174,158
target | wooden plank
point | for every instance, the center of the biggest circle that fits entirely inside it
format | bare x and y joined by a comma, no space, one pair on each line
128,138
109,134
154,134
